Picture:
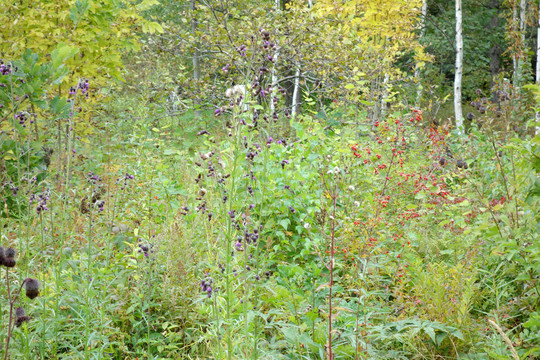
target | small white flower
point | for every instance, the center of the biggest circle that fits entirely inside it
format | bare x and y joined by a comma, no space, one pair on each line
307,225
351,188
329,172
357,203
336,170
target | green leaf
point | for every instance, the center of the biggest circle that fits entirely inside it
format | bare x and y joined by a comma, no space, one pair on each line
533,321
79,10
420,196
285,223
431,332
440,338
60,106
62,53
458,334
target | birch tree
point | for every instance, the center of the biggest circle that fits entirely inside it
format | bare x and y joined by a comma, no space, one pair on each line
296,90
522,30
417,68
297,74
459,69
519,21
277,8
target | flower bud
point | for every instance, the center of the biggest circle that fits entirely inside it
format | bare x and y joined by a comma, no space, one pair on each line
9,257
31,286
20,316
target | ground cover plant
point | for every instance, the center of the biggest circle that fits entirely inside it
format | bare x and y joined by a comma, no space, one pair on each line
205,180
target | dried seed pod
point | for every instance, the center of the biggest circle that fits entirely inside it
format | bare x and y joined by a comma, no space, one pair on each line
462,164
20,316
442,161
84,205
9,257
31,286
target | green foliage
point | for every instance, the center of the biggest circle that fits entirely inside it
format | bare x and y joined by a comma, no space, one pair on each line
25,90
97,31
172,233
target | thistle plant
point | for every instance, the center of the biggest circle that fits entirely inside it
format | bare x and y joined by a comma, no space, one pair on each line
17,315
234,175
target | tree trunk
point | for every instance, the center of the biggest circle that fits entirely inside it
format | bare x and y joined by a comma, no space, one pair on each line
459,69
196,65
522,30
495,50
296,91
538,68
520,24
274,82
277,8
520,59
417,68
384,103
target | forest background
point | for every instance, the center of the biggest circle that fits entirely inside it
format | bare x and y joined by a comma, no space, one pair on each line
212,179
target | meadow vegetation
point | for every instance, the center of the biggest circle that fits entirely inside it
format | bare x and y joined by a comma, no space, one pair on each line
157,224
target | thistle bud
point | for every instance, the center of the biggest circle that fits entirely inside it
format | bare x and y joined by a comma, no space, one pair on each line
9,257
462,164
20,316
31,286
442,161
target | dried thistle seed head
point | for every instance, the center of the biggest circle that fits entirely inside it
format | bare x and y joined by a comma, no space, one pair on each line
20,312
20,316
9,257
31,286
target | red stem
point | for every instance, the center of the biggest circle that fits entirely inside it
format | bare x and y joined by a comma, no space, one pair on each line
334,200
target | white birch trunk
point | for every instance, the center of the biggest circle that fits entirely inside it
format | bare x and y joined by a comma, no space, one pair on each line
417,69
459,69
522,29
296,91
277,8
538,68
310,3
274,81
384,95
